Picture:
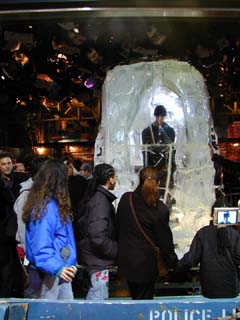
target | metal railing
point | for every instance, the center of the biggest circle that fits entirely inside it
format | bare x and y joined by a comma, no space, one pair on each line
232,198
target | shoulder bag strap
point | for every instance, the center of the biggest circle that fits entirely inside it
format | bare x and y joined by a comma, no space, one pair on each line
138,224
152,135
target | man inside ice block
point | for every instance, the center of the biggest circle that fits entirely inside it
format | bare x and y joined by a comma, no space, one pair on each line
159,151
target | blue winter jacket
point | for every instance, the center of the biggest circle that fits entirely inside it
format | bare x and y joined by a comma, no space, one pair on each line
45,239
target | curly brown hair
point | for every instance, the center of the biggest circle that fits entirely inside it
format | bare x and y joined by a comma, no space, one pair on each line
50,182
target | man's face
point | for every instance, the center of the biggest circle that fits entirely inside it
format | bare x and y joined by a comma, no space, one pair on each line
6,166
85,173
160,120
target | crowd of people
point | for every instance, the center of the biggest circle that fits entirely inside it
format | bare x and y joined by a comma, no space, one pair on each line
54,219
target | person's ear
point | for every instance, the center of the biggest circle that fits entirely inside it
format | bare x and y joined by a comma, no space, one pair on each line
111,180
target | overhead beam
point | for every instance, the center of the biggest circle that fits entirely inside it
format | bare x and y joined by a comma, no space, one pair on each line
77,13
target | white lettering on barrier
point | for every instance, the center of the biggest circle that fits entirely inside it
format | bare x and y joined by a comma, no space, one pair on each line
193,314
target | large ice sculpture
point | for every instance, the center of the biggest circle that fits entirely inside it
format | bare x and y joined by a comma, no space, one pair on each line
130,94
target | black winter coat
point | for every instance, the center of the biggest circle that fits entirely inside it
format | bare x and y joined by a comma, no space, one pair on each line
98,247
77,186
137,259
8,194
218,270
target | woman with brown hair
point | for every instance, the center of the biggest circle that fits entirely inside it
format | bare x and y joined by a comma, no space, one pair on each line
50,244
137,259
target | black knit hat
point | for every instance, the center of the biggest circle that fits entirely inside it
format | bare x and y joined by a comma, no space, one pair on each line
160,111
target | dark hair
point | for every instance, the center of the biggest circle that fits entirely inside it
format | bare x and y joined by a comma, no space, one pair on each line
5,154
86,167
223,241
51,182
36,164
101,173
160,111
66,159
149,179
218,203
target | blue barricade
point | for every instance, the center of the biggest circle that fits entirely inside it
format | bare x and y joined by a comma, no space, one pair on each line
162,308
3,311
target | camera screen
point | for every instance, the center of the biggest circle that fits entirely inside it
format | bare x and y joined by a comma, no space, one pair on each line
226,216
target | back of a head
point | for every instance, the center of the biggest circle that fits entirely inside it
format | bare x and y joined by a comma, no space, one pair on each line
218,203
160,111
5,154
36,164
222,233
51,174
86,167
149,179
50,182
101,173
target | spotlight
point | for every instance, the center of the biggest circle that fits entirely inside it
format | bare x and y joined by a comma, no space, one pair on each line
61,56
41,150
75,30
21,58
89,83
73,149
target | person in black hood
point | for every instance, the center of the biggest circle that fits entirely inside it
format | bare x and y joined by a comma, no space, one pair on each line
10,268
217,250
97,245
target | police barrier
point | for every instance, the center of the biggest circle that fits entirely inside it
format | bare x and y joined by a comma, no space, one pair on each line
164,308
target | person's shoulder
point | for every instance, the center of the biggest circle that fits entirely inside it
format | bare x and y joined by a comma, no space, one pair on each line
126,195
162,205
20,176
232,230
26,185
162,208
135,194
206,230
145,130
103,193
167,126
98,195
124,200
77,180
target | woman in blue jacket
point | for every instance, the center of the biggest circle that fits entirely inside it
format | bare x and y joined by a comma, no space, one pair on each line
50,245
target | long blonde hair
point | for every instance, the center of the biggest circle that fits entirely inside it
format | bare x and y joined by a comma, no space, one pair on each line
149,182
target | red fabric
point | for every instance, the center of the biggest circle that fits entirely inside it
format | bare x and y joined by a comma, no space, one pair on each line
20,252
